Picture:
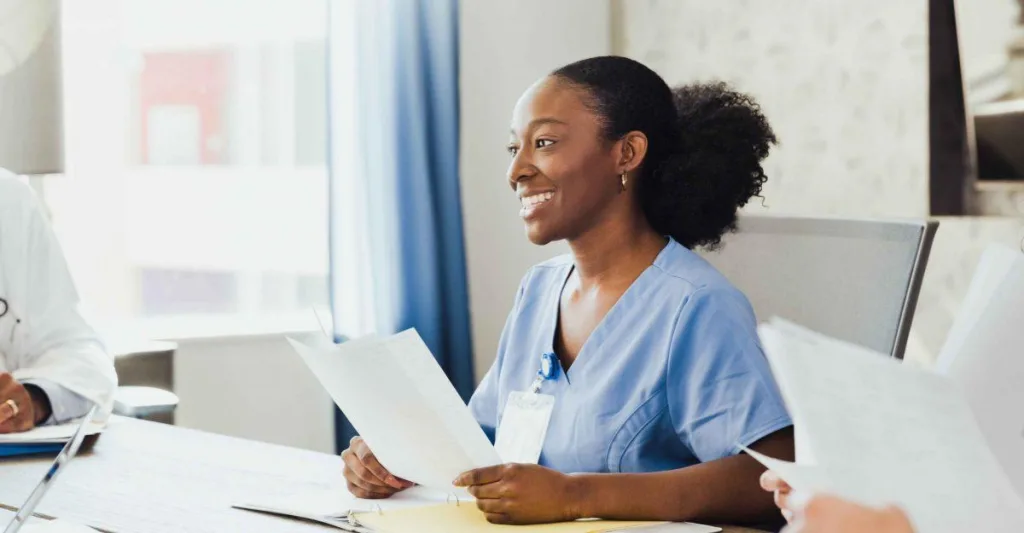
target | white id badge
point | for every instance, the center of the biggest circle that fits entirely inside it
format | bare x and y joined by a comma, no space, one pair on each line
523,427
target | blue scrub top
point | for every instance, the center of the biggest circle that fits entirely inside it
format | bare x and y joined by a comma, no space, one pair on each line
672,376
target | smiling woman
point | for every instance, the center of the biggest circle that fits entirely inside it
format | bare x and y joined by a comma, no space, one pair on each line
662,379
700,148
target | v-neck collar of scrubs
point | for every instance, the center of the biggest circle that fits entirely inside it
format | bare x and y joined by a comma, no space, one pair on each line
632,295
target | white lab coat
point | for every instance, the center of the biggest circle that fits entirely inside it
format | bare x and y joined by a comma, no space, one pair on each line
43,336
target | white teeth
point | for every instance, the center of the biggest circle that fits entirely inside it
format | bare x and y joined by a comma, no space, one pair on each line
530,201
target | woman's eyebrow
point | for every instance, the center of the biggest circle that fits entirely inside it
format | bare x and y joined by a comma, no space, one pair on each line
540,122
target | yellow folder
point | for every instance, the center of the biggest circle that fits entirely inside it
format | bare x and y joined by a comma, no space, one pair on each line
466,518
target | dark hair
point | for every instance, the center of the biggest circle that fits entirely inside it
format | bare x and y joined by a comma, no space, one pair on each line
705,144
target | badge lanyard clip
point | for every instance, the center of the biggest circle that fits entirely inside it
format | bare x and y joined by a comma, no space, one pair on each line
549,367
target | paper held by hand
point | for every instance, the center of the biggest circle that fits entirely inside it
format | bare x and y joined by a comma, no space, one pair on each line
398,398
884,433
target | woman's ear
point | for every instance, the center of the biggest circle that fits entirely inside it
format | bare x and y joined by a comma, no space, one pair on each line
633,150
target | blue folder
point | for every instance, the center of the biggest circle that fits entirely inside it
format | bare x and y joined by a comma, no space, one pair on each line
16,450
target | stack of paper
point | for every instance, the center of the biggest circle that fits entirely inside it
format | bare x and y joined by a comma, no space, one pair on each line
466,518
59,434
45,439
429,511
334,507
879,433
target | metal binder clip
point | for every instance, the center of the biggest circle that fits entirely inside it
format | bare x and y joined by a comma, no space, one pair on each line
449,499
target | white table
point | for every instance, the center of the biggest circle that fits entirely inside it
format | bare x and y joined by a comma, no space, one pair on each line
144,477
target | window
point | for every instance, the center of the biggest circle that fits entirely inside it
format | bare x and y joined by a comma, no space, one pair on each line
196,180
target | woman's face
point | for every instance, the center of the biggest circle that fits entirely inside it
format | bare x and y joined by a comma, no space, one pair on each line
562,168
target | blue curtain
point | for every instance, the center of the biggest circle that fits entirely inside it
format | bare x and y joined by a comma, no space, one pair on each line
409,113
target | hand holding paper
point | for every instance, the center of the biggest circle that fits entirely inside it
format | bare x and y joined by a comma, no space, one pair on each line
366,477
883,433
400,401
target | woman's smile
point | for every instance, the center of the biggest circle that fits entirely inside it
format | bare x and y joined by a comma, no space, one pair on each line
534,203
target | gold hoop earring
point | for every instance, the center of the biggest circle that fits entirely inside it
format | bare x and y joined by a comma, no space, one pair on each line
623,182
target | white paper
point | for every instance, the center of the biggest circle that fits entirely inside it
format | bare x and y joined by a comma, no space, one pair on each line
884,433
996,264
331,507
49,434
55,526
38,525
986,356
807,478
400,401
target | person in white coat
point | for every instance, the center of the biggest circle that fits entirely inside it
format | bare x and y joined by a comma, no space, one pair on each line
53,367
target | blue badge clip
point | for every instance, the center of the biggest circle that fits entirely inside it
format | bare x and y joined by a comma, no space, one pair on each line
549,366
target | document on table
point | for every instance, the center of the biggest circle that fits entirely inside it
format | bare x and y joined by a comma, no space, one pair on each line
332,507
466,518
401,402
38,525
426,510
884,433
49,434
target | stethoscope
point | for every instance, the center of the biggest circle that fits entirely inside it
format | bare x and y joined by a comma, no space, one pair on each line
4,309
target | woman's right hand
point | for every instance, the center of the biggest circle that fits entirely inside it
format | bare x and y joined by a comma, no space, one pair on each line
366,477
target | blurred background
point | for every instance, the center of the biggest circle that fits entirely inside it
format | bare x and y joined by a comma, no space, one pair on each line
223,157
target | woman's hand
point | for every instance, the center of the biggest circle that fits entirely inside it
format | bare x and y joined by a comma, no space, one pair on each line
20,410
523,494
771,482
828,514
366,477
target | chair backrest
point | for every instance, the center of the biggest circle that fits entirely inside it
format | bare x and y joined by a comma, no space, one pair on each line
856,280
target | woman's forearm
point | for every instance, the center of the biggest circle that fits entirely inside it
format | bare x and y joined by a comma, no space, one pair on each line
721,491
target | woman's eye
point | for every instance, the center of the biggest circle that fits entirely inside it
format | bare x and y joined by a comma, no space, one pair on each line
543,143
512,150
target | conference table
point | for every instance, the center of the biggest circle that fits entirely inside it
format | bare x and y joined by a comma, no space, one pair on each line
146,477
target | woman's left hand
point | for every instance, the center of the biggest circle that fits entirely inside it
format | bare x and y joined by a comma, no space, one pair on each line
522,494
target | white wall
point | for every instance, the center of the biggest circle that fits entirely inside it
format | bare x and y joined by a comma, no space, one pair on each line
843,82
987,28
505,46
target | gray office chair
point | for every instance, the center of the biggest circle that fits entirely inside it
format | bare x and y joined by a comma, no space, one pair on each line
856,280
145,372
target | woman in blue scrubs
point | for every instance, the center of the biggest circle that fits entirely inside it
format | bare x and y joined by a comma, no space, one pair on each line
662,379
